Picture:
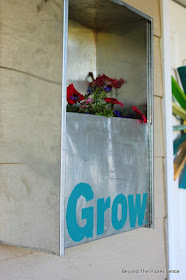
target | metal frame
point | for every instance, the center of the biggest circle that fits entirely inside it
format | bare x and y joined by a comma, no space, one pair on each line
132,9
150,114
63,128
150,105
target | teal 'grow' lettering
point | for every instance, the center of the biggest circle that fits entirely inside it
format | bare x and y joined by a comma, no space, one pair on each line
77,233
102,206
120,199
137,209
131,208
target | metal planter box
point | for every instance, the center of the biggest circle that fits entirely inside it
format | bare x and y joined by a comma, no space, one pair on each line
109,166
110,156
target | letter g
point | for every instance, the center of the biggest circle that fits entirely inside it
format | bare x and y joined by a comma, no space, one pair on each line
76,232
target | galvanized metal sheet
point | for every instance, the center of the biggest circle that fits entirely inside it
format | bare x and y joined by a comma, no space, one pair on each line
110,155
104,15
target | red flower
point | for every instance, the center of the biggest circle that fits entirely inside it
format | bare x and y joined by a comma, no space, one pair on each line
73,95
106,81
118,83
113,101
99,82
140,113
112,82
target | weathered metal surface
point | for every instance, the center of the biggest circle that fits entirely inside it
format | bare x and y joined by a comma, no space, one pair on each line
104,15
81,55
109,154
124,55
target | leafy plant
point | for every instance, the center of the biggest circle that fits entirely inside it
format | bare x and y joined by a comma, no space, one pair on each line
99,99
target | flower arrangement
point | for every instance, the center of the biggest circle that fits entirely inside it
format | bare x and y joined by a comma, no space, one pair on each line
100,99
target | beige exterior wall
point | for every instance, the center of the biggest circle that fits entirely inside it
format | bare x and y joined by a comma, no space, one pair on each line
105,258
178,58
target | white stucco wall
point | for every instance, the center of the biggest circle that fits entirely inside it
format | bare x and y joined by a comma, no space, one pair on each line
102,259
177,213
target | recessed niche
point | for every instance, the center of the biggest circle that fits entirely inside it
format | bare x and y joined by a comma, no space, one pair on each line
112,157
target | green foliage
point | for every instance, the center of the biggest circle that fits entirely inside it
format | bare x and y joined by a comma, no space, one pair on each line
94,103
